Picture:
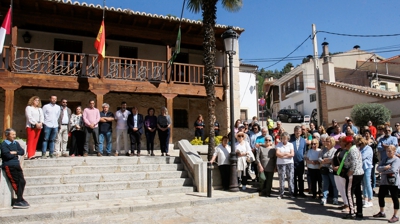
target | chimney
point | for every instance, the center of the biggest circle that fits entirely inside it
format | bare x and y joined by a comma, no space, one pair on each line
325,49
327,66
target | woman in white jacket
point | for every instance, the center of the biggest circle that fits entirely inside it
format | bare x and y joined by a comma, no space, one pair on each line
242,151
34,124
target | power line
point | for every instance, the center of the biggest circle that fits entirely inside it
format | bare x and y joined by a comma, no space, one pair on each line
358,35
300,57
289,53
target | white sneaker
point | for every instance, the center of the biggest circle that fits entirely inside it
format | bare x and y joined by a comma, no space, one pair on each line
280,197
367,204
323,201
335,201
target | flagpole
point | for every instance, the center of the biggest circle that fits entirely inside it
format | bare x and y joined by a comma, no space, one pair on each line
11,22
104,8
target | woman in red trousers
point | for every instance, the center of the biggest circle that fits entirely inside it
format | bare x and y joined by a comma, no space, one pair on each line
34,124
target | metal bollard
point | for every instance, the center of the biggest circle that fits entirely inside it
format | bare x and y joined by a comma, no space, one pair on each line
210,167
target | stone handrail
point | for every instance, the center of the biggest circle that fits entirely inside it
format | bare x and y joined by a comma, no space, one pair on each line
195,164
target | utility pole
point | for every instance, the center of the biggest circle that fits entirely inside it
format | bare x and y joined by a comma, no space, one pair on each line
317,77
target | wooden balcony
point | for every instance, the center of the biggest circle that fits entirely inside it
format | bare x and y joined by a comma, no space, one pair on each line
66,70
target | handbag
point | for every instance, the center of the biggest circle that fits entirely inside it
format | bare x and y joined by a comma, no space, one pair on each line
324,170
250,157
343,172
391,178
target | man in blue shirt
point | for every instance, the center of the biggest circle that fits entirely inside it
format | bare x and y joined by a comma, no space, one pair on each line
385,141
10,150
300,146
351,125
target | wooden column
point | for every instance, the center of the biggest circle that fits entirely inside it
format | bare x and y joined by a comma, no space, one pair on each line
99,96
169,104
14,39
8,106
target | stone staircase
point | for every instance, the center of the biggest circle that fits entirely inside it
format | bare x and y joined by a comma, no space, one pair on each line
93,178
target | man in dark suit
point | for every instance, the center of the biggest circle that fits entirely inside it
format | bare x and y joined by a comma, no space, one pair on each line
300,147
135,130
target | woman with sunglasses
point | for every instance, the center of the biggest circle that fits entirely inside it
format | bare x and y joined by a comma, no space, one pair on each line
313,163
327,172
390,182
285,164
353,173
266,160
243,150
367,154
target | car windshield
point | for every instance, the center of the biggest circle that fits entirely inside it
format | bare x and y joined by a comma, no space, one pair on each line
293,111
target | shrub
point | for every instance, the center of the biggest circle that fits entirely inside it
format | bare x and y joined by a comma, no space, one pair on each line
364,112
196,141
217,140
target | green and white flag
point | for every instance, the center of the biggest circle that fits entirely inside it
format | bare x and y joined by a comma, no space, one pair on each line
177,47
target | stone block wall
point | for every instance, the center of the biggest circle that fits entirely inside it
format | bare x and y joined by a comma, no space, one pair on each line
193,105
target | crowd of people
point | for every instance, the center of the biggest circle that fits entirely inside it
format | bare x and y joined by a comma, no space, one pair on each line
337,161
58,123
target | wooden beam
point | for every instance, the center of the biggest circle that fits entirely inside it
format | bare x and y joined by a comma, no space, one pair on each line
169,104
8,105
148,23
100,97
114,85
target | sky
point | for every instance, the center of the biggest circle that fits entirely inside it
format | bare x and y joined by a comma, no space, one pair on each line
273,29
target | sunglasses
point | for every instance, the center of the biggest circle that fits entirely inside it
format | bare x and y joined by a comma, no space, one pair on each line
268,140
314,144
240,136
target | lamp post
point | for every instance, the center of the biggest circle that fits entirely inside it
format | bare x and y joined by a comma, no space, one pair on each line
231,41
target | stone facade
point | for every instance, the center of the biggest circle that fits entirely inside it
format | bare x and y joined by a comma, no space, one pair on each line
193,105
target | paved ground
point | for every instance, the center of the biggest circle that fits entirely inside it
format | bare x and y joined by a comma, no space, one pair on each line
252,209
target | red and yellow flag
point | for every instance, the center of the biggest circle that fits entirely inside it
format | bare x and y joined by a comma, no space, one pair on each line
100,43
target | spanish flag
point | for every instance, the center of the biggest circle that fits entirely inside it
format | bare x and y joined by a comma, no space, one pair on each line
5,29
100,43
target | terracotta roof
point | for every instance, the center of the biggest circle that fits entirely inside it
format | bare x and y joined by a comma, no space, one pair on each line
131,12
394,59
366,90
248,65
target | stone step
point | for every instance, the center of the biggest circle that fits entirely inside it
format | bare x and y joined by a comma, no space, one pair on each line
57,212
100,161
105,195
103,186
103,177
79,169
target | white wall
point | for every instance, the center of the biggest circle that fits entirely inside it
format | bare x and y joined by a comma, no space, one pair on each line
248,93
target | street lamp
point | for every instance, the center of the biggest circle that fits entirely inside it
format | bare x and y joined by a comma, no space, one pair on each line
231,41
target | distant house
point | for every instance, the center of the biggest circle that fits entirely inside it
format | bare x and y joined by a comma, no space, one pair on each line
248,91
296,89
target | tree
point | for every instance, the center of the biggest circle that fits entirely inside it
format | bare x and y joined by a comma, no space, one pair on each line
364,112
209,12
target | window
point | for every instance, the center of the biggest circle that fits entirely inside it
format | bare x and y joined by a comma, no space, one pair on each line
128,52
180,118
73,46
313,97
383,86
243,115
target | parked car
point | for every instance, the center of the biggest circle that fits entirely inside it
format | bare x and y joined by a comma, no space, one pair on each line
290,115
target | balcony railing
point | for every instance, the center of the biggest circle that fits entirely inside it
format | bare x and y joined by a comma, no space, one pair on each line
134,69
40,61
294,87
